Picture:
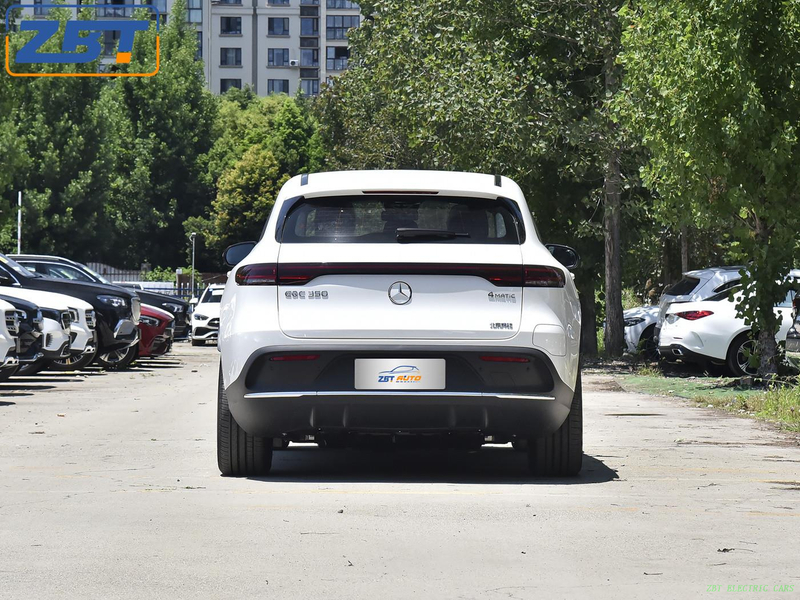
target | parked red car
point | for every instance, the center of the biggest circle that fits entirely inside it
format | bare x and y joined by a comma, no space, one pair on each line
156,327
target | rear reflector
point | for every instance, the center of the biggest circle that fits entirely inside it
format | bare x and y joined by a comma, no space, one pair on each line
538,276
292,357
507,359
693,315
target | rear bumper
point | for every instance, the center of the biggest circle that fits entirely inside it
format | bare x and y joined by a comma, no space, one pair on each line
680,352
293,398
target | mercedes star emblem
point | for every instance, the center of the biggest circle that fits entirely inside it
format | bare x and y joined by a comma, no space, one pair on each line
400,292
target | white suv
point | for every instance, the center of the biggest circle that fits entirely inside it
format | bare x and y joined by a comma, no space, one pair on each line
397,303
205,318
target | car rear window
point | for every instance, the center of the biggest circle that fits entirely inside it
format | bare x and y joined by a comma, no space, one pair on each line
375,219
685,286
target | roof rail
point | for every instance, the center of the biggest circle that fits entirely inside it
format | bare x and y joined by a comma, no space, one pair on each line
304,179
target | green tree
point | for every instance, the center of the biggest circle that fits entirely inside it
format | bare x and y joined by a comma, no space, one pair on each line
172,115
246,195
713,92
505,86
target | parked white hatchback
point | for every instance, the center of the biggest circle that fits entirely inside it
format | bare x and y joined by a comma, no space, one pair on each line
205,318
710,332
400,303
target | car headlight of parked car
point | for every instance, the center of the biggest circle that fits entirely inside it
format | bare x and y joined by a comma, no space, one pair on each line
114,301
199,317
149,321
633,321
173,308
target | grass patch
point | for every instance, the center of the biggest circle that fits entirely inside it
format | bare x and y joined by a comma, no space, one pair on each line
780,403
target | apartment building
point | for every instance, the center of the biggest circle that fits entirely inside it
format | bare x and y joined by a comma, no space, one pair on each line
273,46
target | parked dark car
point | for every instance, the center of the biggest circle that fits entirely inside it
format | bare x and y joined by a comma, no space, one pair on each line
116,309
63,268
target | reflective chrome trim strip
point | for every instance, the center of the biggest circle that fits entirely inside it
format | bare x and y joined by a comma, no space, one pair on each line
407,393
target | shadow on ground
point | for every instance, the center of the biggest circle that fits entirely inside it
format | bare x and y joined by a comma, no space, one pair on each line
500,465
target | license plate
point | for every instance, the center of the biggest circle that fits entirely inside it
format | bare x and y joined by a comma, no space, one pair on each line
400,374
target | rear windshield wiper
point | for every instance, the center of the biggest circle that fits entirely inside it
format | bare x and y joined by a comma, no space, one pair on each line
413,233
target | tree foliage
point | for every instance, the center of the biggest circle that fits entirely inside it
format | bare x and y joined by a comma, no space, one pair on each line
516,87
713,92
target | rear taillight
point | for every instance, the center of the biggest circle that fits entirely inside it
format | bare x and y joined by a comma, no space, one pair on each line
693,315
302,273
257,274
505,359
293,357
539,276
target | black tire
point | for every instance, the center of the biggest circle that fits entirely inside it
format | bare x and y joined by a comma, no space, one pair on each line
117,360
28,369
8,372
198,342
647,344
737,356
239,454
560,454
72,363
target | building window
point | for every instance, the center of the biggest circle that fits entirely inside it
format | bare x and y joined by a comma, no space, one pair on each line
278,57
337,26
310,2
340,4
309,87
309,42
230,57
199,54
278,26
278,2
160,5
230,25
194,11
110,39
309,11
277,86
230,1
309,26
336,58
226,84
309,58
38,9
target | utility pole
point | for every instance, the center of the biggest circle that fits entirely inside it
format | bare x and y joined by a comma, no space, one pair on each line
19,222
192,237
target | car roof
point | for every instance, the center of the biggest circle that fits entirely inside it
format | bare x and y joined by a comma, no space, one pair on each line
43,257
338,183
712,271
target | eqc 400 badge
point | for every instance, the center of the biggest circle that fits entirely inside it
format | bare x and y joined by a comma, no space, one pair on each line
76,46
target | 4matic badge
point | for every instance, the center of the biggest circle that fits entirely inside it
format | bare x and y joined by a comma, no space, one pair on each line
509,298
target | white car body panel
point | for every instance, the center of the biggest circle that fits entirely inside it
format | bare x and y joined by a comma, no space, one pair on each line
8,341
545,318
82,333
633,333
711,336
